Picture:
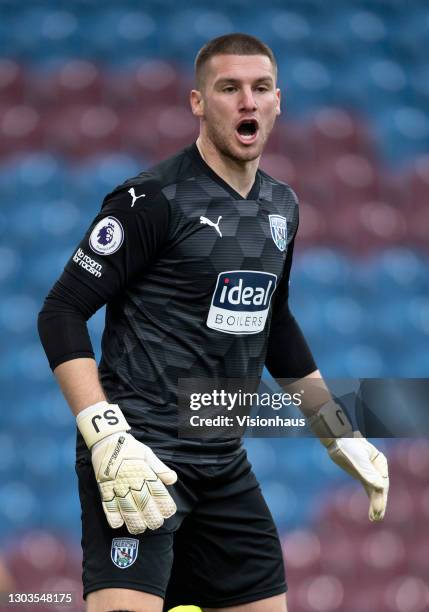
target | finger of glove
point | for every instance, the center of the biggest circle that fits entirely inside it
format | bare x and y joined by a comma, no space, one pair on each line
377,502
131,514
110,505
354,456
162,498
378,497
147,507
111,510
380,464
163,472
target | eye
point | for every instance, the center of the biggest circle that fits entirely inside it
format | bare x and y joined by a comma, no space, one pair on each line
262,88
229,89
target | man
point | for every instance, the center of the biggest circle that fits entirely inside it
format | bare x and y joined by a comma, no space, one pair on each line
165,252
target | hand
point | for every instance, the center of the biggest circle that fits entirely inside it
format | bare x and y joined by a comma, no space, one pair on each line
354,454
363,461
130,477
132,482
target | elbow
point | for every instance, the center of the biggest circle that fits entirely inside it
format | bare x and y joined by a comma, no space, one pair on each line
63,334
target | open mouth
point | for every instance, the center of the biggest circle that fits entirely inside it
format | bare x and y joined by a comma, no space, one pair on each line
247,130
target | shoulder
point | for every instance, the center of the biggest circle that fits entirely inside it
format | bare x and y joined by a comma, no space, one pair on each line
279,188
145,189
134,192
137,206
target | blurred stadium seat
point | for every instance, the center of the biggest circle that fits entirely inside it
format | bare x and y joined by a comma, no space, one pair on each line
12,82
91,94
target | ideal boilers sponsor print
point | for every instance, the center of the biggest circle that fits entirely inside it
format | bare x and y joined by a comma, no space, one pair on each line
241,301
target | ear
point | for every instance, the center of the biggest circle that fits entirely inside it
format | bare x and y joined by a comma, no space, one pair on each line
278,95
197,103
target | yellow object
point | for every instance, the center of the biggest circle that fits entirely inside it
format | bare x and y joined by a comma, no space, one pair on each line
185,609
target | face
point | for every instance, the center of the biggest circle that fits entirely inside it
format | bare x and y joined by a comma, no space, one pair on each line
238,104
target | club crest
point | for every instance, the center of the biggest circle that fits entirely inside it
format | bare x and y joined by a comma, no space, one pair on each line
124,552
278,231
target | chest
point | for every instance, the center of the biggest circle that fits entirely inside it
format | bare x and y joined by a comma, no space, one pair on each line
216,236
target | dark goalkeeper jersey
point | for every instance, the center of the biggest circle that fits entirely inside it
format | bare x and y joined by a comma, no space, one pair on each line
194,277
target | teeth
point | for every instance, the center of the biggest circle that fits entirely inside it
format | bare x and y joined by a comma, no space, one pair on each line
247,136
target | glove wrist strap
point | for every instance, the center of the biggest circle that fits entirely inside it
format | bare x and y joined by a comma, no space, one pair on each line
99,421
330,423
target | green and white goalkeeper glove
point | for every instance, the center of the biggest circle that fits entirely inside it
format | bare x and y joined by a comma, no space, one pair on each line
130,477
354,454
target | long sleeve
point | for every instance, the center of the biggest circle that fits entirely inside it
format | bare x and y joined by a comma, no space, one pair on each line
120,243
288,354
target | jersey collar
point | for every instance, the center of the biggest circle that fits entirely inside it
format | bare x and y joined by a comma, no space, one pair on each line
196,157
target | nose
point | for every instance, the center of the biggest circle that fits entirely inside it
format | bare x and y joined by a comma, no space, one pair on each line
247,100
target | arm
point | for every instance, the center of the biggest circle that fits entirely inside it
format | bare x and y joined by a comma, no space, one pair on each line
79,383
289,357
345,446
288,354
130,477
104,428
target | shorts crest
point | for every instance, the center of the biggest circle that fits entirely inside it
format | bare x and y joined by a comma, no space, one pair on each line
124,551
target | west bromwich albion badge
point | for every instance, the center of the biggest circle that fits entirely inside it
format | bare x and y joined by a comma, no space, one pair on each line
278,231
124,552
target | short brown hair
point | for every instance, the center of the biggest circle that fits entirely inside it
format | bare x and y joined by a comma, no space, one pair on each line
230,44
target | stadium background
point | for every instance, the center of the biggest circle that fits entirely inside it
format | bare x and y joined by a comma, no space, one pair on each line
91,93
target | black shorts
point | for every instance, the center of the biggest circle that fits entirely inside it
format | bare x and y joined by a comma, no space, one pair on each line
221,548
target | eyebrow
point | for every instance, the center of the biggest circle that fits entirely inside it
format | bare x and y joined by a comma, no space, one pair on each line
232,81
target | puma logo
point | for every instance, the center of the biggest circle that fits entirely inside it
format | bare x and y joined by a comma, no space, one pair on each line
134,197
206,221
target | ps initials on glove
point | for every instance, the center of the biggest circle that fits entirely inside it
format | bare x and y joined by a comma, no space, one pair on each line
130,477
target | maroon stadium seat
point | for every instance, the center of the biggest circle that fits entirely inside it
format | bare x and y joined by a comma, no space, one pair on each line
279,165
320,593
155,83
292,139
335,132
12,82
140,131
382,551
81,131
314,225
39,556
418,181
158,131
356,179
76,82
302,551
21,130
407,593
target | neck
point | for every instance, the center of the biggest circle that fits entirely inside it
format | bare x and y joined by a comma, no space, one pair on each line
240,175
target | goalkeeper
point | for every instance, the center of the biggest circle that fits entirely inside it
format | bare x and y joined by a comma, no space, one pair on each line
192,258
